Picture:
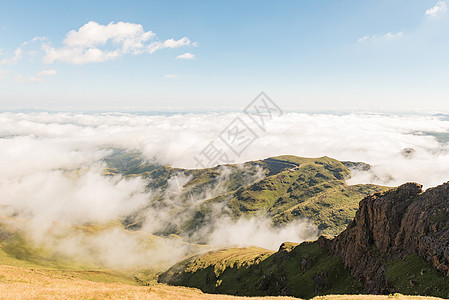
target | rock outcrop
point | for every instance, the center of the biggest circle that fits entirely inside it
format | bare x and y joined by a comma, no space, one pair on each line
390,225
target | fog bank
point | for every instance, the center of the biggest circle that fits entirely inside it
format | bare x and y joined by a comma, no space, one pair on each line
51,174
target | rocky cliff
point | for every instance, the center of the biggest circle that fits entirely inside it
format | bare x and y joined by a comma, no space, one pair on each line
389,227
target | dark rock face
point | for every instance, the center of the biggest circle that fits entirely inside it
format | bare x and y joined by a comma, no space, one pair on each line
391,225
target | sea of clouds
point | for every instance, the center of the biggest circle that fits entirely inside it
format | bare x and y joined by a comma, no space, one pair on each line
51,172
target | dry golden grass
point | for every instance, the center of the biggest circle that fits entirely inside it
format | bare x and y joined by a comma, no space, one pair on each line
22,283
27,283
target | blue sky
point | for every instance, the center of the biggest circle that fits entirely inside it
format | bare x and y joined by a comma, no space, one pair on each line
183,55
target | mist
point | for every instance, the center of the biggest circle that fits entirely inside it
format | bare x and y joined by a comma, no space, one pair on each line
52,181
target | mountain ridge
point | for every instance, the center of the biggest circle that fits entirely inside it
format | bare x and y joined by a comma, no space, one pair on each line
283,188
397,242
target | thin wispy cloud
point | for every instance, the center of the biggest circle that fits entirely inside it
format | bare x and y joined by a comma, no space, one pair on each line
19,78
438,9
186,56
37,78
33,79
385,37
35,39
50,72
18,54
170,76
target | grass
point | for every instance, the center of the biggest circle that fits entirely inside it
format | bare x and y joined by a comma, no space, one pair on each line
414,275
33,273
127,163
314,188
14,251
23,283
304,270
331,209
293,187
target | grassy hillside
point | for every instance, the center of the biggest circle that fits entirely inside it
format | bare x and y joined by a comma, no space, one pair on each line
414,275
304,270
88,258
27,272
397,243
33,273
314,188
283,188
30,273
20,256
25,283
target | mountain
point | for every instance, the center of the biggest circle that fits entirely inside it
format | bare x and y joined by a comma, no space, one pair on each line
283,188
29,272
314,188
402,230
397,242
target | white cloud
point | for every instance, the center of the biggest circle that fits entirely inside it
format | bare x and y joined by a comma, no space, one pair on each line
260,232
438,9
18,54
170,76
387,36
47,73
35,39
130,36
94,42
33,79
186,56
391,36
19,78
171,43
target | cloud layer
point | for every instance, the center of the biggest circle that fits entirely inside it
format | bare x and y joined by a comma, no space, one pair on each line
65,140
51,173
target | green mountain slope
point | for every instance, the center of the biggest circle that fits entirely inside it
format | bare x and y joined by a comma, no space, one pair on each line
282,188
304,270
16,251
396,243
313,187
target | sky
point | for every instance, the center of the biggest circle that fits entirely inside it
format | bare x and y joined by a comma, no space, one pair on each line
200,55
